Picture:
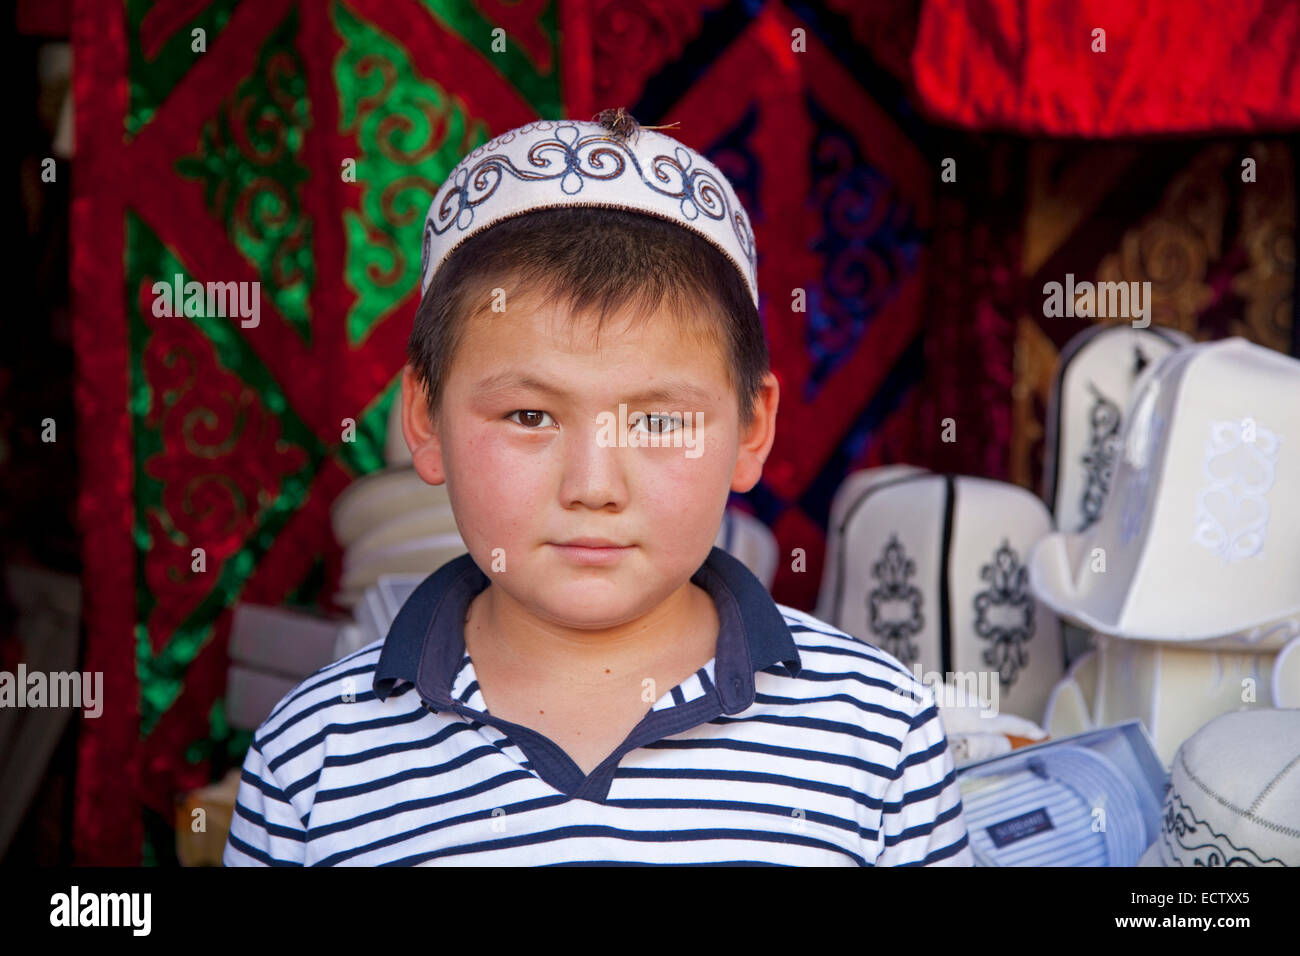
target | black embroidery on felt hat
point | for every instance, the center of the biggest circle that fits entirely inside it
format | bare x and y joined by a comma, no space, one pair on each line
1012,624
1197,839
1099,458
895,631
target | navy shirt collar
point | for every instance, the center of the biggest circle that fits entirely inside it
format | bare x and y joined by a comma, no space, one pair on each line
426,643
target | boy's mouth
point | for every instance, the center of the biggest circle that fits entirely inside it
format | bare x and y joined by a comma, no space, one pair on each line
592,551
590,543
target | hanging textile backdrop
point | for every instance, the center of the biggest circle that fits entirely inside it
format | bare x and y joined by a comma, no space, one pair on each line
1111,67
298,146
215,142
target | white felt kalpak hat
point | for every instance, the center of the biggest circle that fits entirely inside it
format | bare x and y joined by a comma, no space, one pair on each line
929,568
1234,794
1095,375
611,162
1174,688
852,489
1200,535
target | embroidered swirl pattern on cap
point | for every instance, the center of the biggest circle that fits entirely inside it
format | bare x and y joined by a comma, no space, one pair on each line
679,185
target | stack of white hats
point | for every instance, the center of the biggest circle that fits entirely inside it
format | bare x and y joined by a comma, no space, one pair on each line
930,569
1190,576
392,521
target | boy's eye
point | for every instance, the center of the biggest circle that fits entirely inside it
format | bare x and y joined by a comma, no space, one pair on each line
531,421
667,423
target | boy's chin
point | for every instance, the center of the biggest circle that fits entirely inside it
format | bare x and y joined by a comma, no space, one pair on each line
592,599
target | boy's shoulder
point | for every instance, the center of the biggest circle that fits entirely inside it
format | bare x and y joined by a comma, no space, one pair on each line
332,698
823,645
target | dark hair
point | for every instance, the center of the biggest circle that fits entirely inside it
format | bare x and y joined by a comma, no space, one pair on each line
583,257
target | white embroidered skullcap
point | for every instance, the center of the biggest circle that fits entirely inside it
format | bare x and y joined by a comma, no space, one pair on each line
577,163
1234,794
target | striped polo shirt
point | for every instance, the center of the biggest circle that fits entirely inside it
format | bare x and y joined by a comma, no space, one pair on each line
797,744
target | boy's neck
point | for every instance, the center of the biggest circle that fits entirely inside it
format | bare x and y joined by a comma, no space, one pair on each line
684,625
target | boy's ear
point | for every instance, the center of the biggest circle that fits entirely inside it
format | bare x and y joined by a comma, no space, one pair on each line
420,431
756,441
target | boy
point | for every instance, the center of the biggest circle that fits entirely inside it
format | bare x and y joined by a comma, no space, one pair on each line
594,682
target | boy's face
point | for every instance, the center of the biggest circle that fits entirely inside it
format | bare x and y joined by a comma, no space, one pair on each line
528,469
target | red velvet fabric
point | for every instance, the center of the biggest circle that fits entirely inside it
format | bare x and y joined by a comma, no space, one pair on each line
1169,66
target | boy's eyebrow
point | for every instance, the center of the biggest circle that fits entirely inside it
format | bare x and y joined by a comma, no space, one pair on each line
670,391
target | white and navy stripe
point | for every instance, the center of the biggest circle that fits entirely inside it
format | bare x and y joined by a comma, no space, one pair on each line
797,744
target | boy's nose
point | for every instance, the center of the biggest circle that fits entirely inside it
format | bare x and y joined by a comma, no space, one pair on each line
593,466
